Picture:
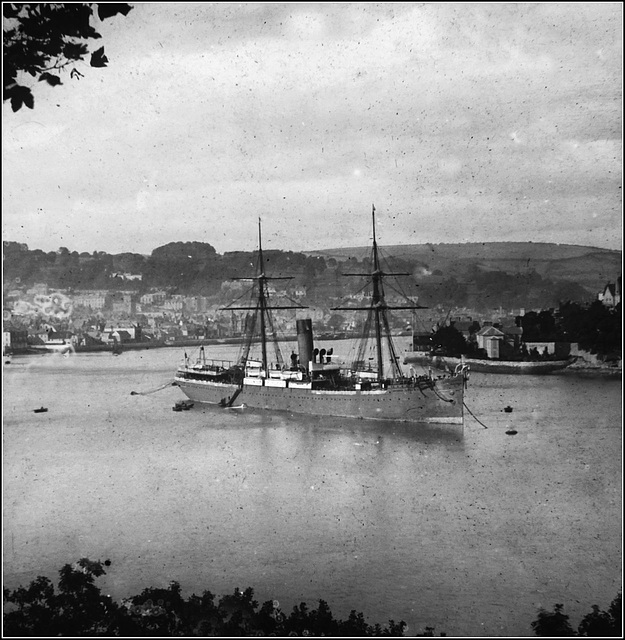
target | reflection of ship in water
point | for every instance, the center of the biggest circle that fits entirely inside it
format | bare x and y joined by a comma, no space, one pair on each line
314,382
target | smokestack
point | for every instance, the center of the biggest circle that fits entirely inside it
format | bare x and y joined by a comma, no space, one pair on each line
305,341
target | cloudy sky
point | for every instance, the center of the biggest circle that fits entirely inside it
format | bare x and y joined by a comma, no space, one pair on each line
460,122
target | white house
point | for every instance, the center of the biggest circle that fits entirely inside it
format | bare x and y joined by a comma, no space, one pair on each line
489,339
611,294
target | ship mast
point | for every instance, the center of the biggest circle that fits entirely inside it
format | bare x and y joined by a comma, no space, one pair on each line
377,310
262,298
262,308
377,302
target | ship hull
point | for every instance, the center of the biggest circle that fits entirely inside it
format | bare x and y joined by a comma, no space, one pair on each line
490,366
440,401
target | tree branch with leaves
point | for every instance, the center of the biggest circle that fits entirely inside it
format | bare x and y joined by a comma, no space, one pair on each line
42,40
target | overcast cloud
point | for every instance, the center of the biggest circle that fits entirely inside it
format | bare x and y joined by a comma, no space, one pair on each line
461,122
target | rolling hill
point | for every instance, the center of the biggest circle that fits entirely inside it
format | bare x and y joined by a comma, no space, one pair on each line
590,267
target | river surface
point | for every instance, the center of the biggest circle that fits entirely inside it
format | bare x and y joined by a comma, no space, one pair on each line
468,530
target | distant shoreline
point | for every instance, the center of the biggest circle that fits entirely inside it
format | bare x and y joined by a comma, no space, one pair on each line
581,367
151,344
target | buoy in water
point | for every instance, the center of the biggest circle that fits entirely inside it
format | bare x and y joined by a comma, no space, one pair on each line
508,409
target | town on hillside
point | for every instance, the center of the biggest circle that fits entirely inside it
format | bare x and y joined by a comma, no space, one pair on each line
42,318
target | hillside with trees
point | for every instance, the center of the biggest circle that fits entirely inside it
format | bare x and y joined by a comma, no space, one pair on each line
452,276
559,263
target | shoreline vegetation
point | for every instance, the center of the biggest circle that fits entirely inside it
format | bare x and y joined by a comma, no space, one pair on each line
80,609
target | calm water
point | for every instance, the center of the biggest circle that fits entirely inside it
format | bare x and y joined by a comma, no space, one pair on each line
468,530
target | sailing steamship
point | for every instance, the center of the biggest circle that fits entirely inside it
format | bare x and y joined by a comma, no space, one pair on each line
312,381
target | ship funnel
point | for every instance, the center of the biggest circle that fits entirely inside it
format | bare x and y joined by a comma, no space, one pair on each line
305,341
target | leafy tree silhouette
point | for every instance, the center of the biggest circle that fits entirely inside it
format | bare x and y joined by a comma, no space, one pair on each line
450,341
79,609
603,624
552,623
43,38
596,624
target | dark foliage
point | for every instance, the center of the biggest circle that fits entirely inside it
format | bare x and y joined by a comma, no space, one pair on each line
450,341
79,609
193,268
43,39
552,623
603,624
596,328
539,326
596,624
